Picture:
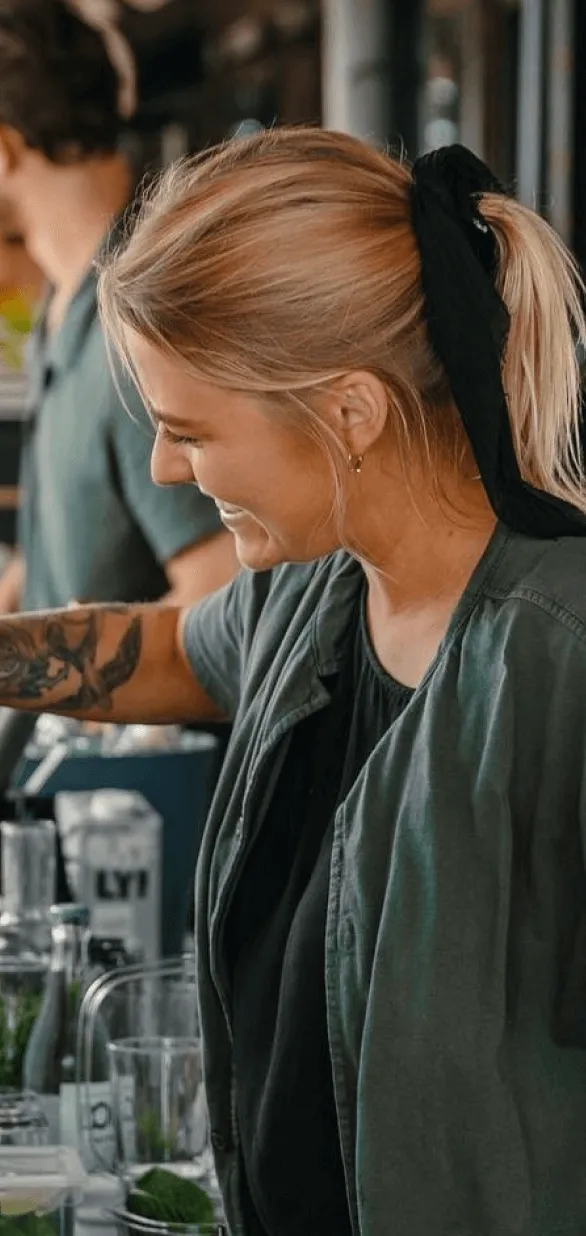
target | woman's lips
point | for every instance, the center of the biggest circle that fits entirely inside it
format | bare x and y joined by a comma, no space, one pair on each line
230,515
225,508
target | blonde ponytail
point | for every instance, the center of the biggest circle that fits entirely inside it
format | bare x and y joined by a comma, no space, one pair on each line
542,289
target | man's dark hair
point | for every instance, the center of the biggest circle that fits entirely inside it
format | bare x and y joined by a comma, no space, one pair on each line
58,88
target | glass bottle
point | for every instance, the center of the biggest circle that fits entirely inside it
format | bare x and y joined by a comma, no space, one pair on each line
28,866
50,1060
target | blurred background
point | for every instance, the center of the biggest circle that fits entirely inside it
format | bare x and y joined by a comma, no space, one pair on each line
506,77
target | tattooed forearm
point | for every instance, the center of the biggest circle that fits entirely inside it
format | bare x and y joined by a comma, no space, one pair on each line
40,656
97,687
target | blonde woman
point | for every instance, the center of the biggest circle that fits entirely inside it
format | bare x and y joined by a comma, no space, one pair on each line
372,371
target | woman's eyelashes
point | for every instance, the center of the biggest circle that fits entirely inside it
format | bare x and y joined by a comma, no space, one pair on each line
178,439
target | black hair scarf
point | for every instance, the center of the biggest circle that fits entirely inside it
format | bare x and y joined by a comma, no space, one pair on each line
468,324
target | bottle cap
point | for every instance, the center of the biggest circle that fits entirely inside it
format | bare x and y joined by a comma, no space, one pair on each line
72,913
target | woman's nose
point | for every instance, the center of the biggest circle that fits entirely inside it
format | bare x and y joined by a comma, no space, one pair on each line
169,465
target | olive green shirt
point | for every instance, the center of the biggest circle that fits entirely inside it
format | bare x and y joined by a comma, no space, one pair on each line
456,932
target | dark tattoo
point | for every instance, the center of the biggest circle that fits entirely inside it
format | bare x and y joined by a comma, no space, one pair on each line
38,657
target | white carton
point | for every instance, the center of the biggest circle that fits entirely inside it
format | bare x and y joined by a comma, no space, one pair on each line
112,846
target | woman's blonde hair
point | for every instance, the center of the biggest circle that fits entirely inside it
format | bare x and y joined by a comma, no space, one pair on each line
280,263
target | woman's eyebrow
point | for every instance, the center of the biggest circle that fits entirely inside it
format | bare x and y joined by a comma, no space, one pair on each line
174,422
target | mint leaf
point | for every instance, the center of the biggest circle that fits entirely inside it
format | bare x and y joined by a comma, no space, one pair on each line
162,1196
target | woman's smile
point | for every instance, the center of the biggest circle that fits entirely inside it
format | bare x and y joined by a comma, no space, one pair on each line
231,516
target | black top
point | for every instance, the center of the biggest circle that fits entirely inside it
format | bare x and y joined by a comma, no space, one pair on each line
275,941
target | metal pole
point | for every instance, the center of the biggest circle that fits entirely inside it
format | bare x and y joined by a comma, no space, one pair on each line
560,127
356,67
530,115
472,84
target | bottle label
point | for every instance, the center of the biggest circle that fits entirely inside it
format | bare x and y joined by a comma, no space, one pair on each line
91,1107
113,919
88,1120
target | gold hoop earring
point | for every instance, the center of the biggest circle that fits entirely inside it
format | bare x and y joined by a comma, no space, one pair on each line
355,462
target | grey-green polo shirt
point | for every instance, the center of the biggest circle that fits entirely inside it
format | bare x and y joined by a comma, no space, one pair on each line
93,526
456,932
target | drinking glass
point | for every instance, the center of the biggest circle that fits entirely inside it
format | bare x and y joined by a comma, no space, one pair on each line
158,1106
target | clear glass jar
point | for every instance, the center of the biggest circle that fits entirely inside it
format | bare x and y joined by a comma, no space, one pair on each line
22,1122
22,983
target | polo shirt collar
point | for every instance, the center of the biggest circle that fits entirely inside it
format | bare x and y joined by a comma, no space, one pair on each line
62,349
59,353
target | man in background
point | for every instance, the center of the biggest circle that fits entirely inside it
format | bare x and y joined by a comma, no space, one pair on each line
92,524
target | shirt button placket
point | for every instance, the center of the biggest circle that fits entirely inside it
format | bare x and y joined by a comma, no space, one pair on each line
346,934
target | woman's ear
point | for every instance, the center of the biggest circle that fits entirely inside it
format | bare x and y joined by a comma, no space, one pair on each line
357,407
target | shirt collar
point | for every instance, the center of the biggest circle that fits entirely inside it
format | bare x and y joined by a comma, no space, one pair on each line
59,352
334,613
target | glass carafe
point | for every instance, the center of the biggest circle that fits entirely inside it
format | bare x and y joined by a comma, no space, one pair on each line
28,857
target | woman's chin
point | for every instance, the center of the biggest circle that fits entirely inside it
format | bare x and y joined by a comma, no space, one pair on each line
257,551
